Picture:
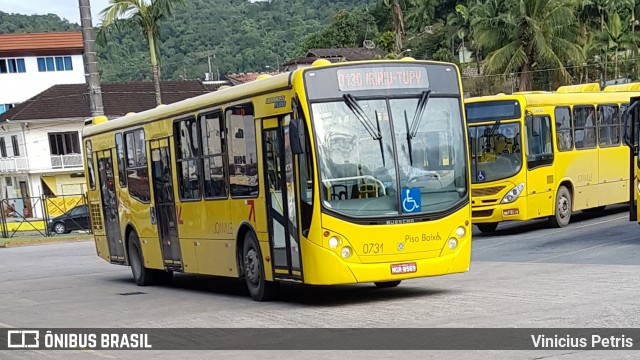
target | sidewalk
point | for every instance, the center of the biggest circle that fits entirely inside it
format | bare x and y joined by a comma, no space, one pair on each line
41,240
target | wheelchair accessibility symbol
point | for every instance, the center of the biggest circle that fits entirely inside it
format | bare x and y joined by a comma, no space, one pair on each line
411,200
481,176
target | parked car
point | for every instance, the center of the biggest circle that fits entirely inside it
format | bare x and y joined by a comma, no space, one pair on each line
74,219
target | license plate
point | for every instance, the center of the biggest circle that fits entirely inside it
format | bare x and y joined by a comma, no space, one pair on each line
404,268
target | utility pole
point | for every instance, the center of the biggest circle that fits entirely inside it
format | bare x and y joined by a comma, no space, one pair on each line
90,59
210,76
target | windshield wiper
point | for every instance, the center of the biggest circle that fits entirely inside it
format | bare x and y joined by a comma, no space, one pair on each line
415,123
355,108
417,117
379,140
406,124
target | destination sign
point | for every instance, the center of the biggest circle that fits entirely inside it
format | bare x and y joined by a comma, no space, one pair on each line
388,77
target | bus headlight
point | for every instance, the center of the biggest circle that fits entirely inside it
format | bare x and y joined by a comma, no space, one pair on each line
346,252
460,231
513,194
453,243
334,242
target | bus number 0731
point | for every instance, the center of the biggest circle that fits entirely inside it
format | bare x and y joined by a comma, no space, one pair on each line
372,248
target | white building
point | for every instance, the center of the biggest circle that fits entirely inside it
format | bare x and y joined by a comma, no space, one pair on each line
30,64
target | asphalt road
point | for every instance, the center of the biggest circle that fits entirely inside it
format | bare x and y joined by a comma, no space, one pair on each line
524,275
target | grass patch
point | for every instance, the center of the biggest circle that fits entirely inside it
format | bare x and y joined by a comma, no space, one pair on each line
36,240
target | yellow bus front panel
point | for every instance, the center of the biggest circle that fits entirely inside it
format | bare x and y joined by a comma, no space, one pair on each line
377,251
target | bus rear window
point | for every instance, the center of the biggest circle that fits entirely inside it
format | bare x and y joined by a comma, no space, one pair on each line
492,110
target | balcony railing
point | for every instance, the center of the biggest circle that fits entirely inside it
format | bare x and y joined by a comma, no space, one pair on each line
66,161
14,164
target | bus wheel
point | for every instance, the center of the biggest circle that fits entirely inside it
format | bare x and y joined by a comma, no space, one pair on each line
387,284
563,208
259,288
487,227
142,275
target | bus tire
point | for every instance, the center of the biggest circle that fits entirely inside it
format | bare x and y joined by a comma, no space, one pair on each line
563,207
487,227
142,275
253,268
387,284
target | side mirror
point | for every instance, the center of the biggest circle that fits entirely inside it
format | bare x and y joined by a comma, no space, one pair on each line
628,124
296,136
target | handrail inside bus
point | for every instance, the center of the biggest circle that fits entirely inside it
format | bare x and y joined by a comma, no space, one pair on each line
366,177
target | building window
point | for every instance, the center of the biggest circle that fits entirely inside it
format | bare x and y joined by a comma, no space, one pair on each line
187,158
58,63
12,66
3,147
5,107
137,171
64,143
213,149
243,159
14,144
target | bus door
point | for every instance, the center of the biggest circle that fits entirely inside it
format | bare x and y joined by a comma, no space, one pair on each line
281,200
164,210
109,196
540,175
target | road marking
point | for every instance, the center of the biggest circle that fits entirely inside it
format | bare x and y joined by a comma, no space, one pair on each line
550,233
577,251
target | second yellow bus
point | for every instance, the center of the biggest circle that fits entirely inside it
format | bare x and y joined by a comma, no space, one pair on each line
547,154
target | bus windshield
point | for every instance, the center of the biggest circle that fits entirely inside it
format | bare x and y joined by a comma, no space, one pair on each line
496,151
370,149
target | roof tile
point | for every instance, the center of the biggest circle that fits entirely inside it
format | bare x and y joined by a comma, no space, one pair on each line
72,100
41,42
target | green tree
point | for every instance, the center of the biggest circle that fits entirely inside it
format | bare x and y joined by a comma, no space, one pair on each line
529,33
146,17
615,36
348,29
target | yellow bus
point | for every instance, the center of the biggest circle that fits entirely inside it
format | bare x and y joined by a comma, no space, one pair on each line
544,154
332,174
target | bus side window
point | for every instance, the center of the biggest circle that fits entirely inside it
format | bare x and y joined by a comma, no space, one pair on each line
584,127
242,154
187,158
608,125
213,149
564,137
539,147
137,171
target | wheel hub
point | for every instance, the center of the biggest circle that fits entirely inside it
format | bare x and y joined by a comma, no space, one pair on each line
252,267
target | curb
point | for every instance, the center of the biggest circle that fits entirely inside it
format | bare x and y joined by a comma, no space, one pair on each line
10,244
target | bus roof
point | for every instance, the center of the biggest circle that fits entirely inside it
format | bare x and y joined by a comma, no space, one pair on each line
554,98
280,81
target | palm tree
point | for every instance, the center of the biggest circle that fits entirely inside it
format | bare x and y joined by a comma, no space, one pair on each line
617,35
398,24
594,14
144,15
529,33
460,24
